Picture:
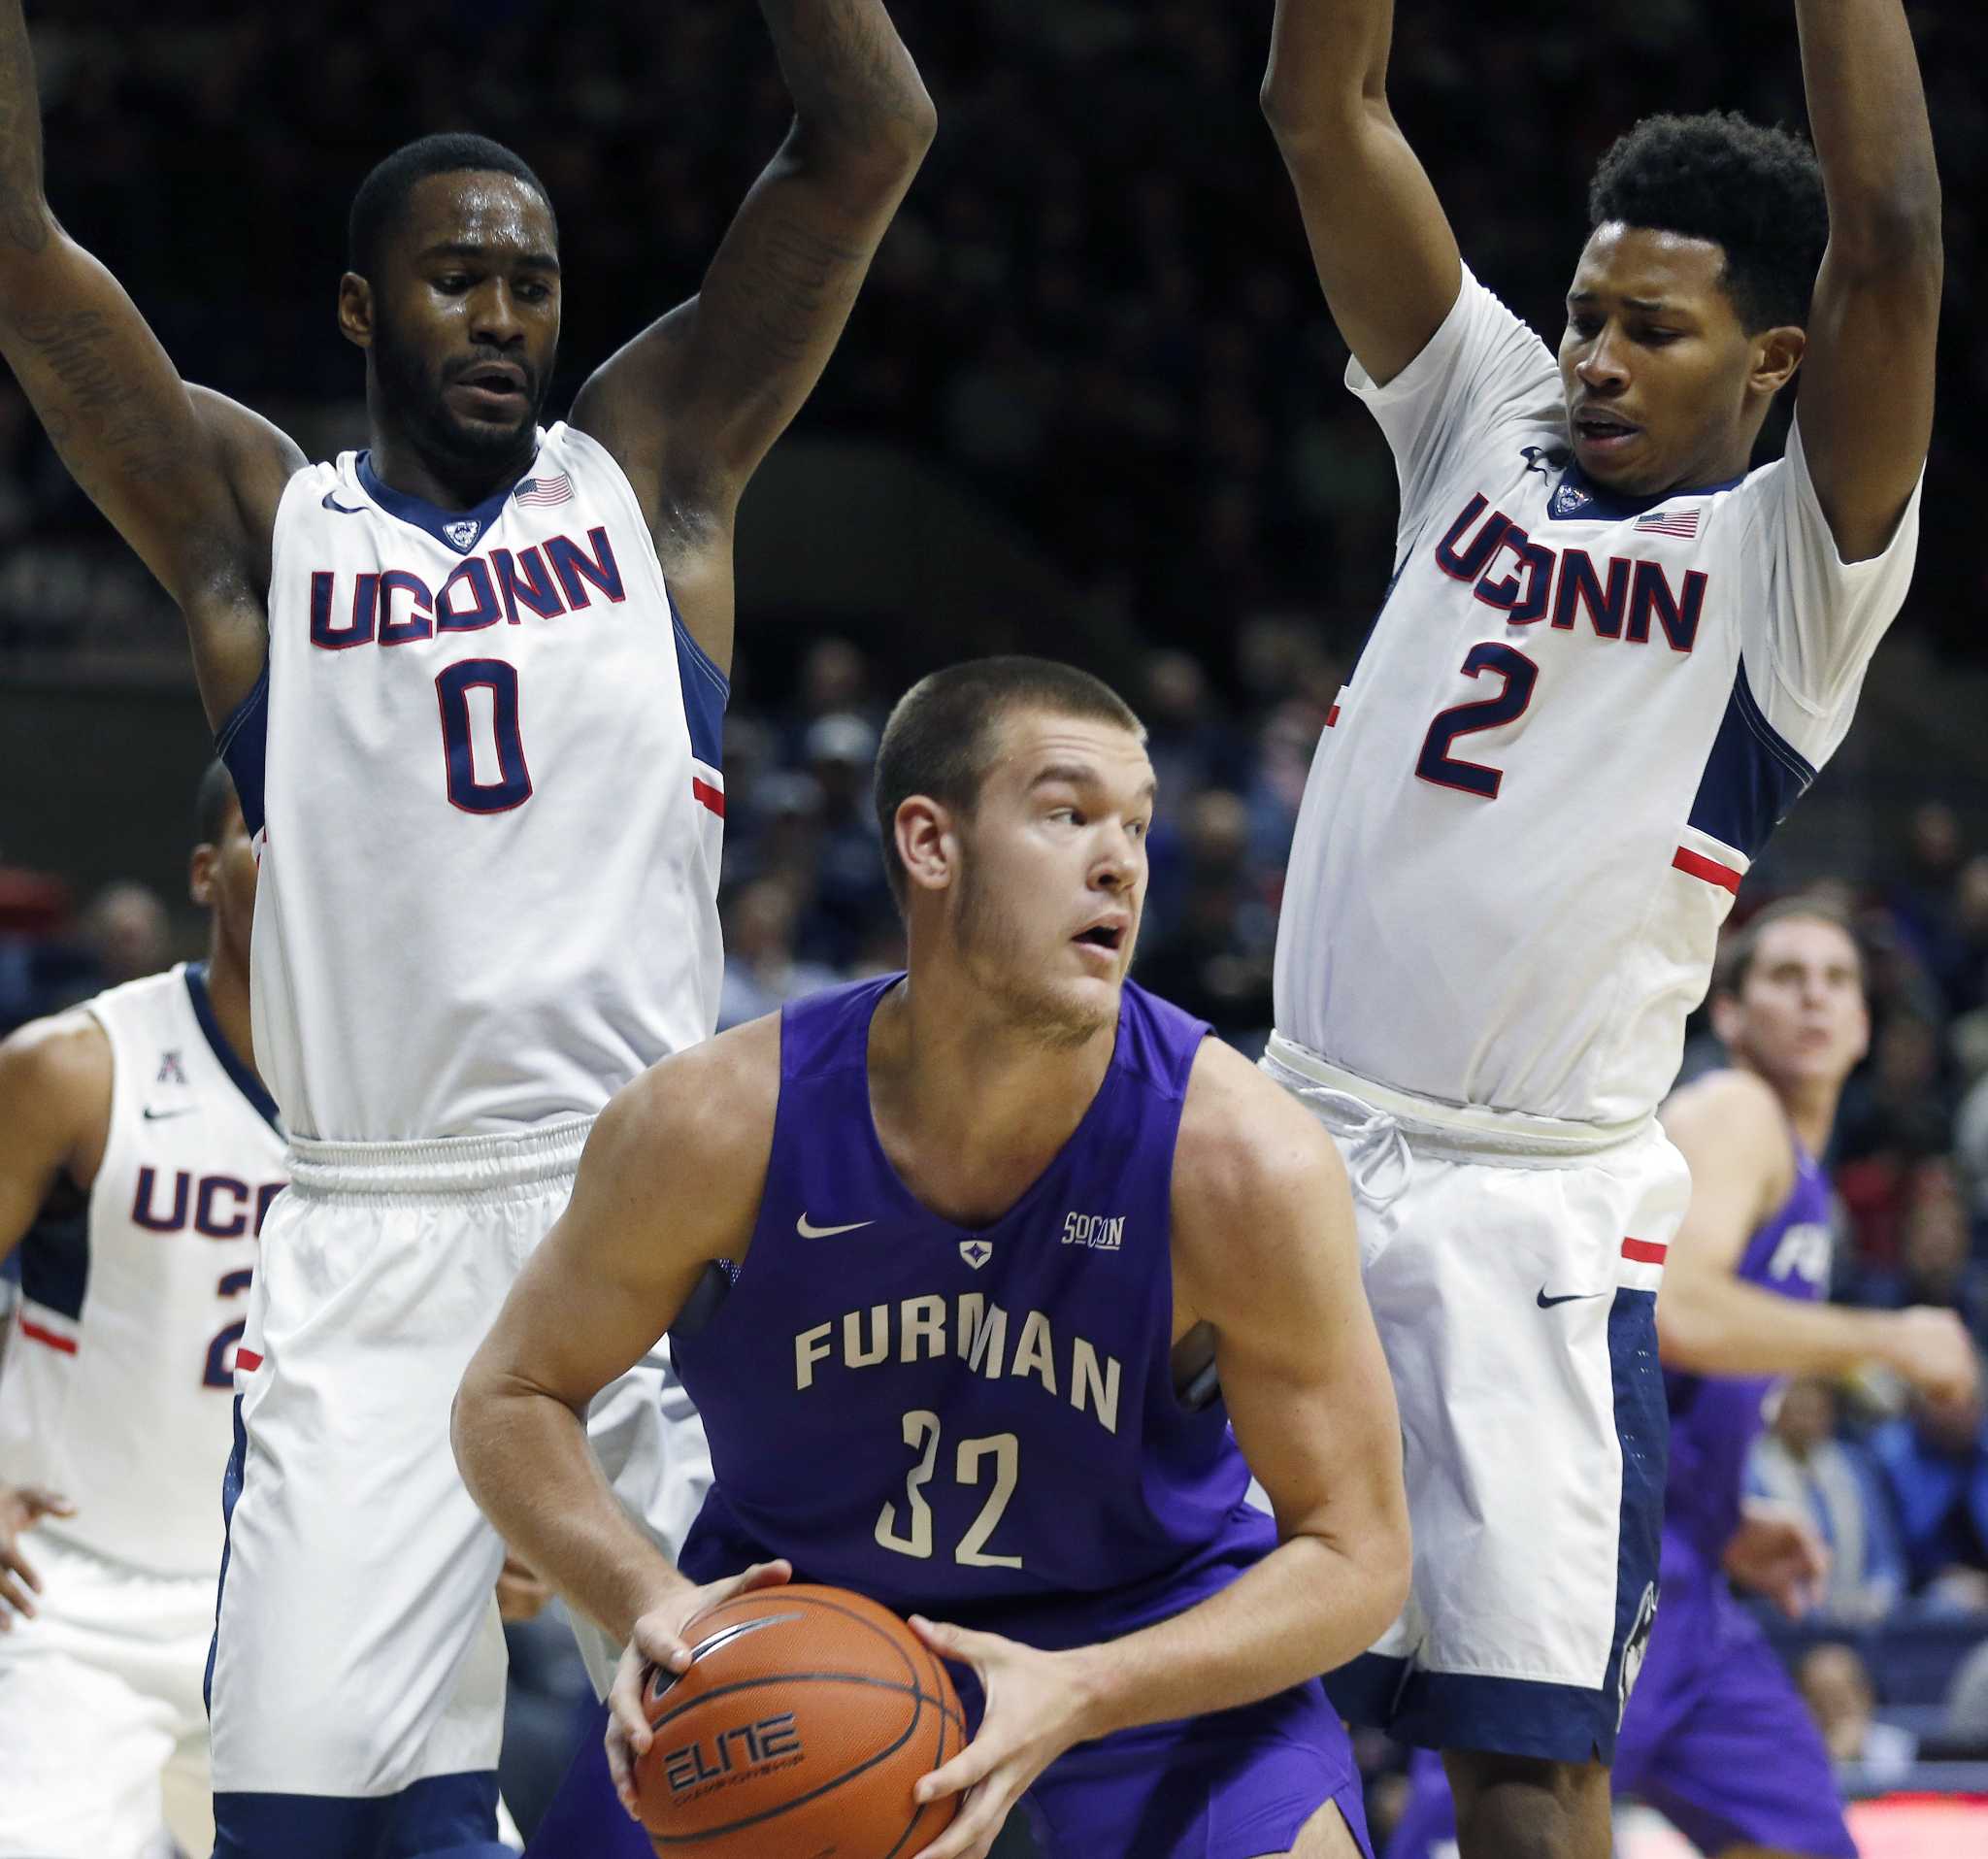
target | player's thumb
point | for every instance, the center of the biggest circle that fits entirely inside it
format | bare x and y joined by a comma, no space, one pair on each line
40,1501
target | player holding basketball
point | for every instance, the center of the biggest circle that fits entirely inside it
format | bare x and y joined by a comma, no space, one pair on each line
1610,658
447,672
141,1157
983,1224
1715,1734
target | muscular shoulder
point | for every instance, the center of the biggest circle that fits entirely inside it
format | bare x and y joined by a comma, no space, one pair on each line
1247,1151
692,1135
55,1079
1732,1119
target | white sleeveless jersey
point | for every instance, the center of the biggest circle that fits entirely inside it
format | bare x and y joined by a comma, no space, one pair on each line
119,1373
1573,725
483,772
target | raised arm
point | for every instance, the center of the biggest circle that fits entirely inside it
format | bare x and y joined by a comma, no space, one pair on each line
1732,1131
1866,406
55,1110
692,405
669,1182
1383,247
190,480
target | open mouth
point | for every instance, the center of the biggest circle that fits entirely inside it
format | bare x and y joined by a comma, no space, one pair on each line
1110,937
497,385
1604,430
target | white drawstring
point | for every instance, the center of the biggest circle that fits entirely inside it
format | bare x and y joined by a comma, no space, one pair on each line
1371,1140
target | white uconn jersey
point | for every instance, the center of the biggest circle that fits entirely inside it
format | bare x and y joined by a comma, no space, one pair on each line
119,1375
1574,724
484,770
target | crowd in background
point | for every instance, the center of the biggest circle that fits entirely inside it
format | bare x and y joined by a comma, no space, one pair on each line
1095,306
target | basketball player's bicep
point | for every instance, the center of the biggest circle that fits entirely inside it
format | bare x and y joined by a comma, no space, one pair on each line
54,1101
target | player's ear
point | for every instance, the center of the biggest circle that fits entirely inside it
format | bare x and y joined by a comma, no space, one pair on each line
926,843
355,310
1725,1018
1777,353
200,870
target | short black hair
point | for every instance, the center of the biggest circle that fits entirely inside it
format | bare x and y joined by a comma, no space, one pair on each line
940,739
1739,952
211,800
383,193
1754,191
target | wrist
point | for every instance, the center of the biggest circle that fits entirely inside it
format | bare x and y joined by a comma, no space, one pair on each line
1095,1683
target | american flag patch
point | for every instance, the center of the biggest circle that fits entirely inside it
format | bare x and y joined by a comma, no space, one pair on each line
1668,522
541,493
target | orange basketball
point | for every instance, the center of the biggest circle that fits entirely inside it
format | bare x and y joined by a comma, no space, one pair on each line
805,1719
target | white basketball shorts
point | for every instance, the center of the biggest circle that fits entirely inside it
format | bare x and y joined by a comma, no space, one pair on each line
102,1736
1512,1268
357,1674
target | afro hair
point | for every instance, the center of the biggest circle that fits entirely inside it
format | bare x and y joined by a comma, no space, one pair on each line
1754,191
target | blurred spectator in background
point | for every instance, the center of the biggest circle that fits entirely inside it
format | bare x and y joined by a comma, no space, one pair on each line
127,929
1218,931
1966,1729
849,889
1800,1462
1936,1263
1934,1465
1836,1686
761,969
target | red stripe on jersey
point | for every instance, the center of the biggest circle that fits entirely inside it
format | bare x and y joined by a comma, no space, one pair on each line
1644,1251
66,1343
1696,865
246,1360
712,797
1332,716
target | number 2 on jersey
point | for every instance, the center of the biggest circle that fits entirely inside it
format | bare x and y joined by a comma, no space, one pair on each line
503,745
1436,763
915,1538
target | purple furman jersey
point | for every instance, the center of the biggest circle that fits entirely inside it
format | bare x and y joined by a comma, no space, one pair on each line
1714,1735
1715,1420
979,1423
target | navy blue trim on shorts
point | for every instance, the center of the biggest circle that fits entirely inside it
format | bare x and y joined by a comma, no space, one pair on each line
1526,1716
440,1818
231,1491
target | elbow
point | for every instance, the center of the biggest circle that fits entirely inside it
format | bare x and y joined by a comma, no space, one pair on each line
883,148
1897,233
1686,1338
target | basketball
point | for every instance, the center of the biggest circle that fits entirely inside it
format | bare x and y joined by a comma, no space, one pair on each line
806,1718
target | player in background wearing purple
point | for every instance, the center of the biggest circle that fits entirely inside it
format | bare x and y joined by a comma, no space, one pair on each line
1716,1735
989,1231
1612,654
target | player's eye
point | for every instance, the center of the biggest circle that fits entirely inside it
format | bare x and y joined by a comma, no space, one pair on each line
453,283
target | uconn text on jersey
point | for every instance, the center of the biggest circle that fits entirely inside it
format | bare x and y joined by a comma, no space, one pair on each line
396,607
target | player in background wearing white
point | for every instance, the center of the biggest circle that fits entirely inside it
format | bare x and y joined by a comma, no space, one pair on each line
1610,658
476,736
141,1156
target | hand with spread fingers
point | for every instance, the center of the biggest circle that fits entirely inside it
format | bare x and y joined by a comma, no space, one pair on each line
1777,1552
662,1638
1036,1710
21,1508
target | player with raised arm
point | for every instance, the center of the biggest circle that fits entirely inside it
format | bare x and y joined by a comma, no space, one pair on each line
141,1158
1610,658
1715,1734
1000,1214
469,682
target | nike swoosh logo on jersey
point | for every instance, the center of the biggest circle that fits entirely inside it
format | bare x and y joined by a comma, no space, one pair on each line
344,510
1571,1297
808,1232
161,1116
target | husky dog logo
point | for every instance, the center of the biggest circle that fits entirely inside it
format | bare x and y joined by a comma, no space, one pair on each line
462,535
1637,1647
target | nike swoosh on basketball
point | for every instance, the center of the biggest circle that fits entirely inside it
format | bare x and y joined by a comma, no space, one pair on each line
1570,1297
808,1232
161,1116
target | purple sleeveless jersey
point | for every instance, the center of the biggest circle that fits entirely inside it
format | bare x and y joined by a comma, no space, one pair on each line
1714,1419
980,1424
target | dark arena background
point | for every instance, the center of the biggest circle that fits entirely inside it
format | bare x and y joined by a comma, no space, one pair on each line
1090,405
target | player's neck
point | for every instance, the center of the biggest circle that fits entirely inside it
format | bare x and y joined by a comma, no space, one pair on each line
228,993
399,464
1810,1103
970,1108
